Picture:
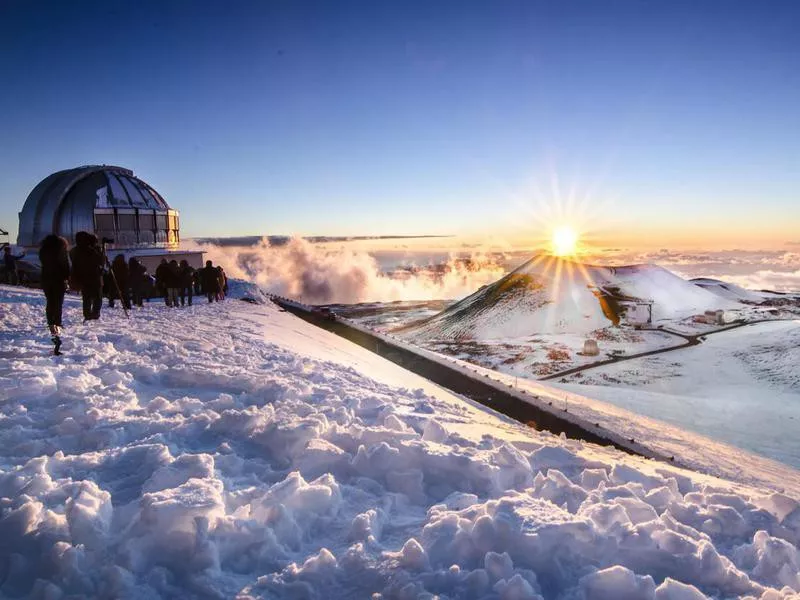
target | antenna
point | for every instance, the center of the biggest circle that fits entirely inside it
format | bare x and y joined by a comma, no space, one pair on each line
3,233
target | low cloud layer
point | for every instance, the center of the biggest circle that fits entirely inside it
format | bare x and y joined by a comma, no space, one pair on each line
350,273
320,274
777,270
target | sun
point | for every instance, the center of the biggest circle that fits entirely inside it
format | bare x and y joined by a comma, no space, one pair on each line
564,241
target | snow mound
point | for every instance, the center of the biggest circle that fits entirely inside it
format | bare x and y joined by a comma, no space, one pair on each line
556,295
232,450
730,291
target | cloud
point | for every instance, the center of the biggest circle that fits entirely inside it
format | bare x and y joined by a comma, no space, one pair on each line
320,274
779,281
348,273
755,269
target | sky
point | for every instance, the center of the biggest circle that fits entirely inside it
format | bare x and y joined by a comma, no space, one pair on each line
663,123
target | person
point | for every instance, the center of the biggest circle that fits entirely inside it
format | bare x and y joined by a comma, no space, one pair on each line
55,274
137,275
173,283
10,263
197,280
210,279
119,271
87,273
162,274
187,281
222,285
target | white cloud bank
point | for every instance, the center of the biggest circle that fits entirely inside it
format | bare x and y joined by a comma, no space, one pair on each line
320,274
349,273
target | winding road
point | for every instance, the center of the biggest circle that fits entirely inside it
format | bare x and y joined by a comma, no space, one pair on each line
691,340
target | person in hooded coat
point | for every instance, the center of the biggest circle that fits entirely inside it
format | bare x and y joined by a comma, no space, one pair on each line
187,282
10,263
162,277
55,275
211,283
87,273
137,274
119,268
173,283
222,285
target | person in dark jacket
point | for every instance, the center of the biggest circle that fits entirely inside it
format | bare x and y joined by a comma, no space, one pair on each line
198,283
162,275
173,283
10,264
137,276
187,282
223,284
55,274
119,268
210,279
87,273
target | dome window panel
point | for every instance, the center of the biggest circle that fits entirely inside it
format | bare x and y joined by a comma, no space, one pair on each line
133,192
104,222
102,197
149,198
126,221
147,221
118,195
125,238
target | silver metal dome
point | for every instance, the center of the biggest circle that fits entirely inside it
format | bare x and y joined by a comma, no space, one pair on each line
106,200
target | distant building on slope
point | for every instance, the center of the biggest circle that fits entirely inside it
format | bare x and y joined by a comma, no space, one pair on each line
591,348
637,313
621,308
110,202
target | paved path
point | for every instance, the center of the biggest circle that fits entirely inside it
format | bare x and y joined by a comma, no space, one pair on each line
691,340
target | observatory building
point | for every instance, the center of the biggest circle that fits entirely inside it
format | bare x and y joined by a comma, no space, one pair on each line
110,202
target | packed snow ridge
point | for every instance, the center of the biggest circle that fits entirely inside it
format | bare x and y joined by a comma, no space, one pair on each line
232,450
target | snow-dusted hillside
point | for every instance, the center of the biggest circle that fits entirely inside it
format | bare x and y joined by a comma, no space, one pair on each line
730,291
232,450
550,295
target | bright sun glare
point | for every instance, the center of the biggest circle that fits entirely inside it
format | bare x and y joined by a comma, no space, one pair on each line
565,241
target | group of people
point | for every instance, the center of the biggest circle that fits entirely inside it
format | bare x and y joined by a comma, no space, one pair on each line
128,282
181,282
85,268
85,273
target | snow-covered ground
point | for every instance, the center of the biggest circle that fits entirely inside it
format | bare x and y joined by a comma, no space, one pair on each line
740,386
234,450
546,354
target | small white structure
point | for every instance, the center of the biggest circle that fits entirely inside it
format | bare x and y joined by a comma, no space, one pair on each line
590,348
715,317
637,313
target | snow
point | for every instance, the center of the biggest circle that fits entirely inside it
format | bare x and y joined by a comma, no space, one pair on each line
628,428
232,450
730,291
548,354
741,387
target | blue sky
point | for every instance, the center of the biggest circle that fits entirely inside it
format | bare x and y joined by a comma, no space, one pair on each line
673,118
